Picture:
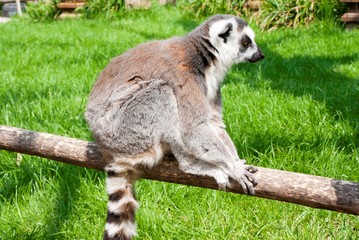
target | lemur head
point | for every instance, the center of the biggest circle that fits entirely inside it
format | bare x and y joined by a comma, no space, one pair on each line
233,40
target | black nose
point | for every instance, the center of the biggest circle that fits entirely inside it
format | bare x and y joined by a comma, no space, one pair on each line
257,56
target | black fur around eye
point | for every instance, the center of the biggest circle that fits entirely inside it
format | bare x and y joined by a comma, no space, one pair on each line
246,41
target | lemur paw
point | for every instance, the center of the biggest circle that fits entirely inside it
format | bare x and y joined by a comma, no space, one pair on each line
243,174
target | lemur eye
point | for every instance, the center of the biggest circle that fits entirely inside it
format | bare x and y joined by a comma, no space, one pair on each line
246,42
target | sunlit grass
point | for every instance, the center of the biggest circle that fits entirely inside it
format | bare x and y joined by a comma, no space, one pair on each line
298,110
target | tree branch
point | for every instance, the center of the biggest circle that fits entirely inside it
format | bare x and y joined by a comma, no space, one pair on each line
308,190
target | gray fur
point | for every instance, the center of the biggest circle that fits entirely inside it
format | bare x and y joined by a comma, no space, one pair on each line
155,99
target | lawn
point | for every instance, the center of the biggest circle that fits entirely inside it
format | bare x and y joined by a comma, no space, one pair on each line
298,110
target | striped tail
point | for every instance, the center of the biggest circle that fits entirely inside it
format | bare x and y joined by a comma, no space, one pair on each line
122,205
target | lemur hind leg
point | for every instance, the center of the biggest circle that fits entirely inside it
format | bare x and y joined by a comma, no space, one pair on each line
138,133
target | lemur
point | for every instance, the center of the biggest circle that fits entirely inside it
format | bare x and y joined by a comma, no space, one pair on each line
164,97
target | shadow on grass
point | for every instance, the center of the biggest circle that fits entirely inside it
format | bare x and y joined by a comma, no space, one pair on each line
65,200
314,76
69,197
64,182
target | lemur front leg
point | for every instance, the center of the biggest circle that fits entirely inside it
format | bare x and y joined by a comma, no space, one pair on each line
223,135
204,153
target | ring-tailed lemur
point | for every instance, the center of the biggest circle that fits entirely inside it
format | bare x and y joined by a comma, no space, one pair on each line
164,96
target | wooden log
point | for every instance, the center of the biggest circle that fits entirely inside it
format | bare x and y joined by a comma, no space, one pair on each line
308,190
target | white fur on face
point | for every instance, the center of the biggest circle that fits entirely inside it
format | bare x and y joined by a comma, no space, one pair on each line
228,53
215,73
249,31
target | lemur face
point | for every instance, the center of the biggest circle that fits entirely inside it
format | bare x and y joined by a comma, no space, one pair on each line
248,49
234,40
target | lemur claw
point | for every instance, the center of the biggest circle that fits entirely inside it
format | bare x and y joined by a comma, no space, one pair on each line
251,169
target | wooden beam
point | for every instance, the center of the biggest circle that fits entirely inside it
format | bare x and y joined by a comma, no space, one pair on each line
349,1
351,17
70,5
307,190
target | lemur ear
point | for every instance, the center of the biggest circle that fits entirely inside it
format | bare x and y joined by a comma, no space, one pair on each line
226,32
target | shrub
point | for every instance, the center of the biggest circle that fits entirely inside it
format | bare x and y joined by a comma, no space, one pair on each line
210,7
42,10
285,13
102,8
46,10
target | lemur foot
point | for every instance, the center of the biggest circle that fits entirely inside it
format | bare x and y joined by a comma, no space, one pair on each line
243,174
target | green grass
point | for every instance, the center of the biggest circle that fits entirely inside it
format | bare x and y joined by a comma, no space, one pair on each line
297,110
